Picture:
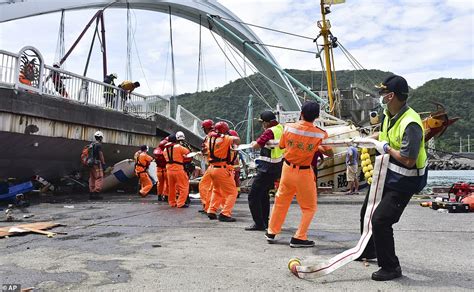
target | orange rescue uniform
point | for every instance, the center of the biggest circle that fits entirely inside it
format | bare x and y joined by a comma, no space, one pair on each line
222,175
162,184
178,180
142,162
301,141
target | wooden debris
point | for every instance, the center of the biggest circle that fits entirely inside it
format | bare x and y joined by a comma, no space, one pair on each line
37,227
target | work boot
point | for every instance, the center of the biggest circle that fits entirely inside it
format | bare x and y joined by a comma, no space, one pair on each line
203,212
188,201
160,198
386,275
270,237
184,206
255,227
212,216
165,198
295,242
224,218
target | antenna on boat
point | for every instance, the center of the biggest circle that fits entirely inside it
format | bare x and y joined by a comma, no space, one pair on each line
330,42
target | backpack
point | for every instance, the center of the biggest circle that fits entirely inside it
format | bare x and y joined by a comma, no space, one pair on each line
87,155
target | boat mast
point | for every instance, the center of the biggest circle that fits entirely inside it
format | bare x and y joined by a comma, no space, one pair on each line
325,26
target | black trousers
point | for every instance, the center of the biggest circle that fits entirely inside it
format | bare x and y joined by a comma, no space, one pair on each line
259,199
388,212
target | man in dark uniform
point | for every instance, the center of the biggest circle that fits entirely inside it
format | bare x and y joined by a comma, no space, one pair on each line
269,165
401,137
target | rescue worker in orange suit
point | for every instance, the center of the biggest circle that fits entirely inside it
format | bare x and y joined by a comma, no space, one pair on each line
189,166
142,162
178,181
221,173
269,165
96,173
162,184
205,185
300,141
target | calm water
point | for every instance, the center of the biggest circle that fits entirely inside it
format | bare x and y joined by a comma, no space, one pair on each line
448,177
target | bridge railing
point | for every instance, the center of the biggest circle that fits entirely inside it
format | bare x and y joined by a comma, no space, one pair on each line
189,121
59,83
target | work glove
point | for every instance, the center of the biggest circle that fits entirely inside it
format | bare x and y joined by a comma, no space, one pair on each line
381,146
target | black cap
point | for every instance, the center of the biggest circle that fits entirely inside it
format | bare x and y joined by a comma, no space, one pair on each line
396,84
267,116
310,110
143,148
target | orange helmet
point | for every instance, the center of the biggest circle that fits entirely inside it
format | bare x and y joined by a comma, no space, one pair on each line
207,124
222,127
233,133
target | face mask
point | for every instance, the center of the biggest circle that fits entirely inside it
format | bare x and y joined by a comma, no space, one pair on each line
382,103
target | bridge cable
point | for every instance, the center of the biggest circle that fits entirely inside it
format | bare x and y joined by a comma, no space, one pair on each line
251,88
128,68
173,76
138,55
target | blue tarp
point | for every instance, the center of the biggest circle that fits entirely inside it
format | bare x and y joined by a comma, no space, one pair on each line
17,189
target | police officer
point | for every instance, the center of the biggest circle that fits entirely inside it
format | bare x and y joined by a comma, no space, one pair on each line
269,165
301,140
401,137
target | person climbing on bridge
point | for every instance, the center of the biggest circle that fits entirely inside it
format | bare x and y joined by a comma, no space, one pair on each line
96,172
221,173
300,140
142,163
162,184
57,80
109,92
127,87
269,165
205,185
178,181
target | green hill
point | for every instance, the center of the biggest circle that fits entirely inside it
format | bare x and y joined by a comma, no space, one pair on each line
230,101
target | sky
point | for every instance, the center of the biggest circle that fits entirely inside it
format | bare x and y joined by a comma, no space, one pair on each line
420,40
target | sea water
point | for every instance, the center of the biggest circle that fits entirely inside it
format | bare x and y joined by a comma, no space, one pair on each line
447,177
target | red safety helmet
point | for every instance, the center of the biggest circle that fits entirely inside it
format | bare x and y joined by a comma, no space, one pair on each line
207,124
162,144
233,133
222,127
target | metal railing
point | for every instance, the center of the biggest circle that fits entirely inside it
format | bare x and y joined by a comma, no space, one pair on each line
59,83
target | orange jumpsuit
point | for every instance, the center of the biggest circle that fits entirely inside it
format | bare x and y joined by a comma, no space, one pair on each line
301,140
222,175
178,180
205,185
162,184
142,162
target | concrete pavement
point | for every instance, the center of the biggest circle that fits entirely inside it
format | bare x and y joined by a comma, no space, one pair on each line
126,243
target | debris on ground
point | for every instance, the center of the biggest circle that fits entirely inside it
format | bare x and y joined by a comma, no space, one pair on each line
38,227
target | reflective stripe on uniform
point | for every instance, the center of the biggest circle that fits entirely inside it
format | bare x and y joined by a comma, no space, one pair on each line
272,143
405,171
271,160
304,133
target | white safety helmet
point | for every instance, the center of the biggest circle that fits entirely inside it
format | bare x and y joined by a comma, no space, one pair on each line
99,134
180,136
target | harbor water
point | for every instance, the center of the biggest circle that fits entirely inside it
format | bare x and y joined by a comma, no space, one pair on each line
448,177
